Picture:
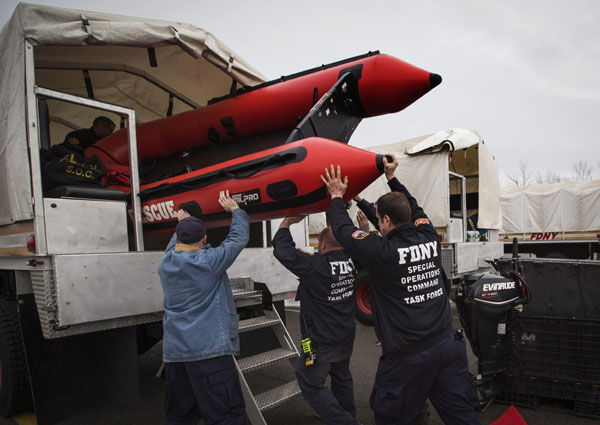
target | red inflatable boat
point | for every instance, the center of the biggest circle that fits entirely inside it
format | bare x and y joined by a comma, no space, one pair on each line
385,84
273,183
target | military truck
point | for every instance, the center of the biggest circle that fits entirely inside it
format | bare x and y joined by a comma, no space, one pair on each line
79,293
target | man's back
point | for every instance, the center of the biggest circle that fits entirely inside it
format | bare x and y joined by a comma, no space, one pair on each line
325,291
413,310
423,357
406,269
201,323
327,319
200,318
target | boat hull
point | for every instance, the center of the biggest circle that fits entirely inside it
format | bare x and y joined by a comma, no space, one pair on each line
385,85
274,183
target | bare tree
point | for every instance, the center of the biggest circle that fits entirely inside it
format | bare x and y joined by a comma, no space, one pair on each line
582,171
552,177
521,176
549,177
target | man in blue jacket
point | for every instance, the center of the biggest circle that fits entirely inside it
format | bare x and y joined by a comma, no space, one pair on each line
327,318
422,356
200,322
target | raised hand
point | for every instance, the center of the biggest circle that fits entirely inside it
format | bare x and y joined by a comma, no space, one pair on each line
181,214
363,221
389,167
334,183
227,202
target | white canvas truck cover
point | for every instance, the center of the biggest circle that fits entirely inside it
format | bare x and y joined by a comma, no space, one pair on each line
423,166
131,62
561,207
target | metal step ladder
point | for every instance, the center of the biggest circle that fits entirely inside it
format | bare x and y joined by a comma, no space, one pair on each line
244,295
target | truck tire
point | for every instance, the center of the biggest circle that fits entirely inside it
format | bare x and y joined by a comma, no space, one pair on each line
362,292
15,390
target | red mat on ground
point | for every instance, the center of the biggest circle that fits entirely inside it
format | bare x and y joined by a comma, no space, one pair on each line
510,417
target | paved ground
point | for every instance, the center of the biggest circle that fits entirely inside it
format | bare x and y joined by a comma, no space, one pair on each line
149,410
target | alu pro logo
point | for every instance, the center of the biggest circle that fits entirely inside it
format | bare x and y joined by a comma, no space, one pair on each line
248,197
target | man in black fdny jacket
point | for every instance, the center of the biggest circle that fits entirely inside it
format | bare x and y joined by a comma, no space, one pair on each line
422,356
327,318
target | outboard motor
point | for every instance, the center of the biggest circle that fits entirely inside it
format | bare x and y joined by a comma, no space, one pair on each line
484,303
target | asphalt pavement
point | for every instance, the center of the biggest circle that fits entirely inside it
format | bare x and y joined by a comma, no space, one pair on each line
149,409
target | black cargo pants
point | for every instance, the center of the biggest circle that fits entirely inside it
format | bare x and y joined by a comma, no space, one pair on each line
404,382
335,405
204,389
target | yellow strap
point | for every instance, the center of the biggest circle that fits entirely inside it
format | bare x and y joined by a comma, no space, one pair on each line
185,247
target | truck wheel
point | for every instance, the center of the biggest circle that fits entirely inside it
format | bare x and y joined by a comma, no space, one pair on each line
15,390
362,292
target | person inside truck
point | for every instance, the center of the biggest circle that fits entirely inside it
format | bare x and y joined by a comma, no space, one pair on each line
422,355
79,140
327,322
200,322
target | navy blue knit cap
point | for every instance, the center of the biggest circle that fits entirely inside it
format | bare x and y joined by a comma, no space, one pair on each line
190,230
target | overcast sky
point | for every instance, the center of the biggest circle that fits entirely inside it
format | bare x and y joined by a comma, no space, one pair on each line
524,74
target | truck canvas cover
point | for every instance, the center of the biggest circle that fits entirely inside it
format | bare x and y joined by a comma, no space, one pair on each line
561,207
423,166
155,67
